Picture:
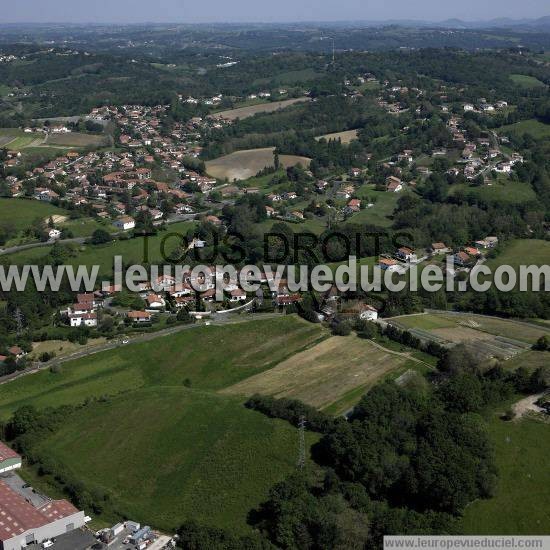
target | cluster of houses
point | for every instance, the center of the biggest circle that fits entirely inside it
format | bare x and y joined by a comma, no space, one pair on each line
217,99
8,58
483,106
481,155
463,257
85,311
168,293
73,177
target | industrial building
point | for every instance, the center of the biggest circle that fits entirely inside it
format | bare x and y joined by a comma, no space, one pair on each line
9,459
21,524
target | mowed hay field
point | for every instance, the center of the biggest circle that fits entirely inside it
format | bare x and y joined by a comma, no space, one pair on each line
323,374
521,505
345,137
210,358
251,110
186,451
75,139
242,165
464,323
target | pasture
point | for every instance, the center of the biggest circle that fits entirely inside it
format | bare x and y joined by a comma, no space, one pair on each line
196,453
251,110
186,455
133,251
533,127
242,165
75,139
22,212
379,214
345,137
323,374
504,191
211,358
526,81
521,505
522,252
84,227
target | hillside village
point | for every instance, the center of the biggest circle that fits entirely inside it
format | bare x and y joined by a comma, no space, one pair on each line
189,411
121,188
117,185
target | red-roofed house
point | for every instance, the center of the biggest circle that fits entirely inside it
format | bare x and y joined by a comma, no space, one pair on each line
406,254
387,263
461,258
17,352
139,316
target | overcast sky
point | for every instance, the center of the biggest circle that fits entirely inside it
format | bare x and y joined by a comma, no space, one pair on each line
208,11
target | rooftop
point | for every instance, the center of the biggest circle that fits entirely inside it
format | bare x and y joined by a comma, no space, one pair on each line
18,516
6,452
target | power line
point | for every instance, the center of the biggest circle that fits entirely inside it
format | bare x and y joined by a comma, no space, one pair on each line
302,445
18,316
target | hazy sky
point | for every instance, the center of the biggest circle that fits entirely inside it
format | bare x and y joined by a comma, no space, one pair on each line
192,11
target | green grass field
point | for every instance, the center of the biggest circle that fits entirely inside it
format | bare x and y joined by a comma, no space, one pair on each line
537,129
75,139
187,452
211,358
522,252
521,505
131,250
84,227
426,322
169,454
12,132
505,191
531,360
19,143
21,212
525,81
383,207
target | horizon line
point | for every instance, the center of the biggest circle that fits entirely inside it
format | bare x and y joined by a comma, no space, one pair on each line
278,22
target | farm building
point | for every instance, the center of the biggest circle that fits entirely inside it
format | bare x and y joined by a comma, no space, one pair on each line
22,524
9,459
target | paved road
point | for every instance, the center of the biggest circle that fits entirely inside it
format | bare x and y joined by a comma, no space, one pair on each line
20,248
145,337
81,240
